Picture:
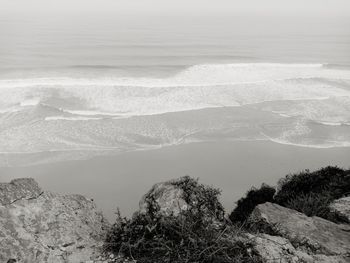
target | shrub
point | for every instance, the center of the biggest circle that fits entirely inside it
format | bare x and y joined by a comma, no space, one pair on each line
246,205
308,192
312,192
176,239
192,236
331,180
310,204
201,198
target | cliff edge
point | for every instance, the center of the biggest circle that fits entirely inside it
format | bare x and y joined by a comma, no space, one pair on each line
178,221
40,226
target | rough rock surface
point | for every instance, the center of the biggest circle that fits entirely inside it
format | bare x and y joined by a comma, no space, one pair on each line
168,198
342,207
18,189
325,241
276,249
183,194
39,226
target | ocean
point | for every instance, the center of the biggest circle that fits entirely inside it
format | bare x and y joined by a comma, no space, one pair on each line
77,87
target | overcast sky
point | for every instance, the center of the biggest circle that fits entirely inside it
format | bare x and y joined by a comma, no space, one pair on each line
325,8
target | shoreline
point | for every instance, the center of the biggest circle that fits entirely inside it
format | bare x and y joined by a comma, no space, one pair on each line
233,166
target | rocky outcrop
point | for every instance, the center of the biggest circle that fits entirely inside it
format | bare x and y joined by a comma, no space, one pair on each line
306,239
18,189
40,226
276,249
166,198
342,207
182,194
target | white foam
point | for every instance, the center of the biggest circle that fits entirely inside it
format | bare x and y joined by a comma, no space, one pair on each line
200,86
30,102
78,118
331,111
89,113
330,123
325,145
206,74
70,114
334,123
9,110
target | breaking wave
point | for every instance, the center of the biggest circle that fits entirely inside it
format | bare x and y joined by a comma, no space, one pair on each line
298,104
197,87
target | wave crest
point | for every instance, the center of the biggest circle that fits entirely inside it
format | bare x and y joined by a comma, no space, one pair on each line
197,87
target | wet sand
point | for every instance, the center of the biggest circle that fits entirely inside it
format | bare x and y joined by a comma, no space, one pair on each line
234,167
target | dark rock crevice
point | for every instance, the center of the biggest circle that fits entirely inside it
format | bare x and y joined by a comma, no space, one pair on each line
28,199
19,189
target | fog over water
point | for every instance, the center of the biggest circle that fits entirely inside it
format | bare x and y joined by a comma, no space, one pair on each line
325,8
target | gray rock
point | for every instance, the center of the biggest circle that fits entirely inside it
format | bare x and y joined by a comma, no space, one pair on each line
276,249
342,207
312,235
18,189
39,226
166,198
183,194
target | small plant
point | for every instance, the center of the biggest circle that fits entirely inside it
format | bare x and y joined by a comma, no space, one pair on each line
246,205
201,198
192,236
177,239
310,204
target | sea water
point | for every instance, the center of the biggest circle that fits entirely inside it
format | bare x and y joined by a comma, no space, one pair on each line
77,87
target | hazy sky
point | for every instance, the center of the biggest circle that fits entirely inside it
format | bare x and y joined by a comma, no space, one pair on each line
326,8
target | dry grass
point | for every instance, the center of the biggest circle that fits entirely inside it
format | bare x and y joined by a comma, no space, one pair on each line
199,234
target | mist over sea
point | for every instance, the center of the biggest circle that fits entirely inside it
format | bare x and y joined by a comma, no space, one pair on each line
77,87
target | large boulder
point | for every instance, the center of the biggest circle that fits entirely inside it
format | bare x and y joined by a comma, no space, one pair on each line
39,226
165,198
342,207
325,241
179,195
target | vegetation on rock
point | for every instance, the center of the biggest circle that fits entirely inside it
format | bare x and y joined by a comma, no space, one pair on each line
308,192
254,197
196,230
183,221
191,236
312,192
